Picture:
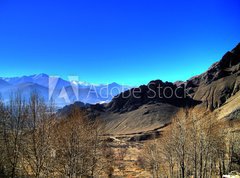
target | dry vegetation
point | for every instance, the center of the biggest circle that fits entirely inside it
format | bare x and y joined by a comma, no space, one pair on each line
192,147
35,142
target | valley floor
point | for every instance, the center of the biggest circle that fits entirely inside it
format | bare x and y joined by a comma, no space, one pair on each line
126,160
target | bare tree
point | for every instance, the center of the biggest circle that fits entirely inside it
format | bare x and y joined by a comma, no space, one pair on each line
180,140
2,149
192,146
151,158
77,146
13,124
37,142
34,141
167,151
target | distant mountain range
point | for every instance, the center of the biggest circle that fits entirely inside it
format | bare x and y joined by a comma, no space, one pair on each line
62,92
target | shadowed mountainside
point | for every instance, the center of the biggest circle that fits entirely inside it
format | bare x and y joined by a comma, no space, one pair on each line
148,107
219,83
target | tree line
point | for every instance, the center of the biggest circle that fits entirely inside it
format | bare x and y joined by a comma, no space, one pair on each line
193,146
36,142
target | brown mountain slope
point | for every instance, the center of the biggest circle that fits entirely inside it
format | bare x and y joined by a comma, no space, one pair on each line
219,83
146,118
217,87
138,110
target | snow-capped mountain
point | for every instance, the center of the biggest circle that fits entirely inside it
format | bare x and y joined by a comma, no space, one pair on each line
62,92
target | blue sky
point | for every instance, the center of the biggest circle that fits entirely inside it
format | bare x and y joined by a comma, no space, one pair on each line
125,41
